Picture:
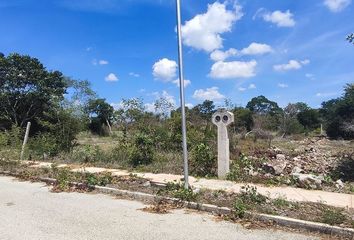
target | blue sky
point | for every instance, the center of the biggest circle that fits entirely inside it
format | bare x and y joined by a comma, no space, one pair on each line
287,50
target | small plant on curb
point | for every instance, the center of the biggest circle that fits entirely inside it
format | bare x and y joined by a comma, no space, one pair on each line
63,180
98,179
239,208
248,199
333,217
177,190
250,195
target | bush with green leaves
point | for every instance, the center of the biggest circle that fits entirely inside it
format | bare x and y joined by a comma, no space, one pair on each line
42,144
203,160
87,154
177,190
333,216
239,168
143,150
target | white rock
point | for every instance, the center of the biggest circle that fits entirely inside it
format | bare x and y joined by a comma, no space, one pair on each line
339,184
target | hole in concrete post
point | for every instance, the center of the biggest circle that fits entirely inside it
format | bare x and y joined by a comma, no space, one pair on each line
217,118
225,118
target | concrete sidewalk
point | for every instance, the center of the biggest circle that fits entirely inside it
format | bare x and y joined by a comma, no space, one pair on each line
289,193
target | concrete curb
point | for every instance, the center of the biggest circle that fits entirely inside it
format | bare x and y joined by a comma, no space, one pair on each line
282,221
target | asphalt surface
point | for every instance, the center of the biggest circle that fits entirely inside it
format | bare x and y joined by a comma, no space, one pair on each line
30,211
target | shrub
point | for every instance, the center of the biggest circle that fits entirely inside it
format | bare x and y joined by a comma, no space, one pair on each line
203,160
87,154
333,217
43,144
143,152
177,190
239,169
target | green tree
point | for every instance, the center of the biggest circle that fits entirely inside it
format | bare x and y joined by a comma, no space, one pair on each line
309,118
339,115
243,119
262,105
290,123
205,109
101,113
267,114
27,90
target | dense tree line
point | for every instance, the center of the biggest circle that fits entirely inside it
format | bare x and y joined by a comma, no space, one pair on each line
59,108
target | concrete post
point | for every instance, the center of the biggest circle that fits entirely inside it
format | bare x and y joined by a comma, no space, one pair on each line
222,118
25,139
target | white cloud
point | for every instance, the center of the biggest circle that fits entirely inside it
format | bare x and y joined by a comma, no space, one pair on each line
164,69
189,105
282,85
329,94
203,32
281,19
252,86
291,65
208,94
168,97
186,82
150,107
256,49
111,77
102,62
117,106
133,74
310,76
235,69
253,49
219,55
305,62
336,5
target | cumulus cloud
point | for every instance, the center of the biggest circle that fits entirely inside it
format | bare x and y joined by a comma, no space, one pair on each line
234,69
219,55
133,74
203,32
291,65
111,77
150,107
252,86
164,70
117,106
253,49
99,62
256,49
282,85
208,94
329,94
103,62
281,19
186,82
189,105
336,5
310,76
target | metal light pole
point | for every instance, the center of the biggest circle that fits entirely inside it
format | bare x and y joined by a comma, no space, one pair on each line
181,89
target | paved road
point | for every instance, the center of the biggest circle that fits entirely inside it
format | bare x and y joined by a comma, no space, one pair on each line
28,211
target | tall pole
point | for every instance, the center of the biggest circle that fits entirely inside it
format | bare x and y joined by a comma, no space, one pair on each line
25,140
181,89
